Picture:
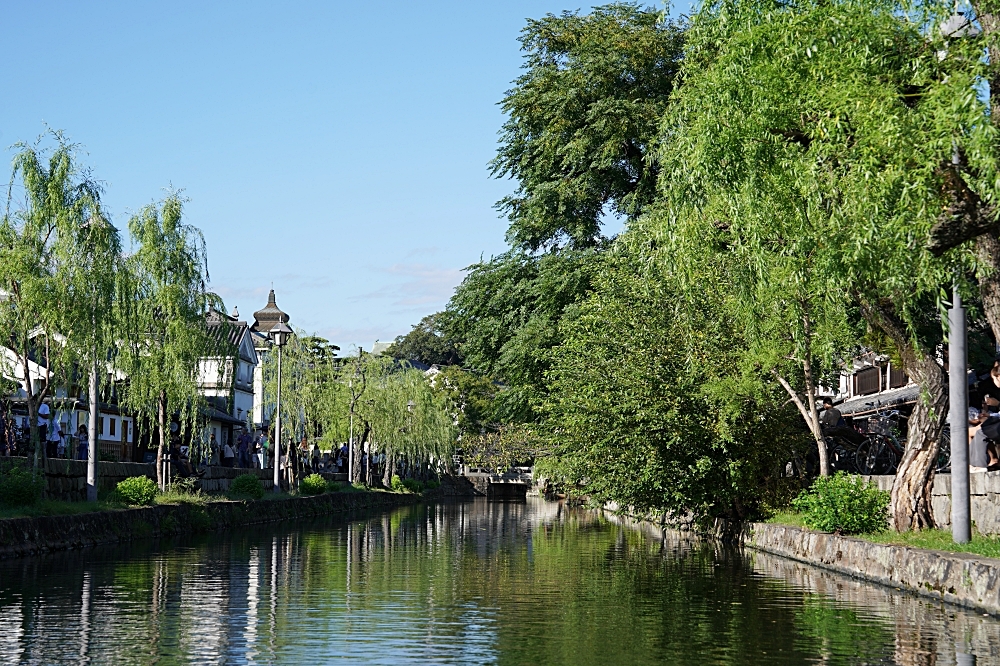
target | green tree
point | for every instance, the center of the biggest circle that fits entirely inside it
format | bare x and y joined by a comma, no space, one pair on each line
635,414
844,112
52,243
427,343
582,120
507,313
167,336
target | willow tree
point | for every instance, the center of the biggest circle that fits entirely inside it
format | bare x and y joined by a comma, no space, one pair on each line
167,335
95,290
314,399
51,238
846,111
405,418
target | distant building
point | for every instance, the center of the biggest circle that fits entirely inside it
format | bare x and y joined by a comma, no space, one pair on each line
227,381
380,348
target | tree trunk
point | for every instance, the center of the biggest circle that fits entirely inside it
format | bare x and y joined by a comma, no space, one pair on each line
161,445
988,254
807,408
93,392
387,472
33,434
910,505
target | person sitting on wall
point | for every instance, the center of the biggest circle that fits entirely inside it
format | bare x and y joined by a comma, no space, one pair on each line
984,429
179,460
832,423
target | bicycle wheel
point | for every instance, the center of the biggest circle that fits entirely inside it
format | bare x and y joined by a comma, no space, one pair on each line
874,456
841,458
942,464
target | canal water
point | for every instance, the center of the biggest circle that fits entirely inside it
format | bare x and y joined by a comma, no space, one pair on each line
464,583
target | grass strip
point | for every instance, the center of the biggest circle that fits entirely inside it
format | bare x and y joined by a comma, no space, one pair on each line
985,545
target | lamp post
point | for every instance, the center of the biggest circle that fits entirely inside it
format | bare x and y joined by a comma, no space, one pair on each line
958,397
279,335
958,26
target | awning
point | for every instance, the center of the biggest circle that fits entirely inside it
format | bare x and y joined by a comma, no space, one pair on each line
864,405
213,414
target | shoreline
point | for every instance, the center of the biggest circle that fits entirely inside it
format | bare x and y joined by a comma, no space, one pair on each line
22,537
965,580
962,579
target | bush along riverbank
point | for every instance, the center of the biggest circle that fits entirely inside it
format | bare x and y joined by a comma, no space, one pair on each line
190,514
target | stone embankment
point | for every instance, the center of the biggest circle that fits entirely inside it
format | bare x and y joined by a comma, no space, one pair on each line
27,536
66,480
967,580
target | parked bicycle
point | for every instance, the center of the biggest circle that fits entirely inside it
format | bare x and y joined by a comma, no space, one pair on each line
881,450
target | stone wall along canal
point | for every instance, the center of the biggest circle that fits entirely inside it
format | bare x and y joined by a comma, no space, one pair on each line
463,583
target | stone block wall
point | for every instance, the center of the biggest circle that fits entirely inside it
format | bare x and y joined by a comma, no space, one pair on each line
67,479
217,479
984,488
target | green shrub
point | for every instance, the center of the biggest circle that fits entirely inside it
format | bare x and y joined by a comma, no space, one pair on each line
413,485
432,485
334,486
397,484
314,484
844,504
138,490
17,488
247,485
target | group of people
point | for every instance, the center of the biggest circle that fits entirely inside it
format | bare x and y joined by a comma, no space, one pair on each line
57,444
984,420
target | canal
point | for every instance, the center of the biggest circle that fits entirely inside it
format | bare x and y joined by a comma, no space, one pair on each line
464,583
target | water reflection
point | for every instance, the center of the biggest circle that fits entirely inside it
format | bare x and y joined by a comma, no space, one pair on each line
464,583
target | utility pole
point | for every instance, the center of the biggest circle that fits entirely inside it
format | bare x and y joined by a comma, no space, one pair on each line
958,400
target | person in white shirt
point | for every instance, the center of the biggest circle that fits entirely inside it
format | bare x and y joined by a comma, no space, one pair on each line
55,447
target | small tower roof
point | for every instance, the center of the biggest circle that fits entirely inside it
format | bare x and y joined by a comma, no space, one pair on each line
268,316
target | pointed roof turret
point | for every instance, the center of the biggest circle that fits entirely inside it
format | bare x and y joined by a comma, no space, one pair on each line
266,318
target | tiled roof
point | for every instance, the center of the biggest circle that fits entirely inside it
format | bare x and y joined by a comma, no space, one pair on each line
268,316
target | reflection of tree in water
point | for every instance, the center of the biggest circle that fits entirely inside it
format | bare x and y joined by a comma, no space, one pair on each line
469,582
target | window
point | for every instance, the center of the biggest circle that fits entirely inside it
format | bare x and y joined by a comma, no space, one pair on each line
868,381
112,433
102,426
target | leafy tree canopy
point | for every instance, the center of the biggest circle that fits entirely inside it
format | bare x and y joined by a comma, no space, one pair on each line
428,343
582,119
507,312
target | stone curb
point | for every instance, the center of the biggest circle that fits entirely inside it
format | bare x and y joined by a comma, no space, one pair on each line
28,536
957,578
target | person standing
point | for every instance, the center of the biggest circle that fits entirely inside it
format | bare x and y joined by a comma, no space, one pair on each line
267,458
82,442
43,425
53,437
228,455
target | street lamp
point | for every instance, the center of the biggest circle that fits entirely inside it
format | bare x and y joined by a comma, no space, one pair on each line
279,335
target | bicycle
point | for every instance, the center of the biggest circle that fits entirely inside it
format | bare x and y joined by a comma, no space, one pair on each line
880,451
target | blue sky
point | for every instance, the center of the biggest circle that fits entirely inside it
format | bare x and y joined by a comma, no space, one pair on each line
337,150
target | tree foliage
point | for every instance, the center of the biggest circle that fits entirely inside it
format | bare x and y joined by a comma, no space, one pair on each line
645,409
428,343
164,329
507,313
581,121
57,257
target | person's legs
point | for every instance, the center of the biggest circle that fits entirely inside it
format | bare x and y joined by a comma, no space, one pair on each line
978,456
